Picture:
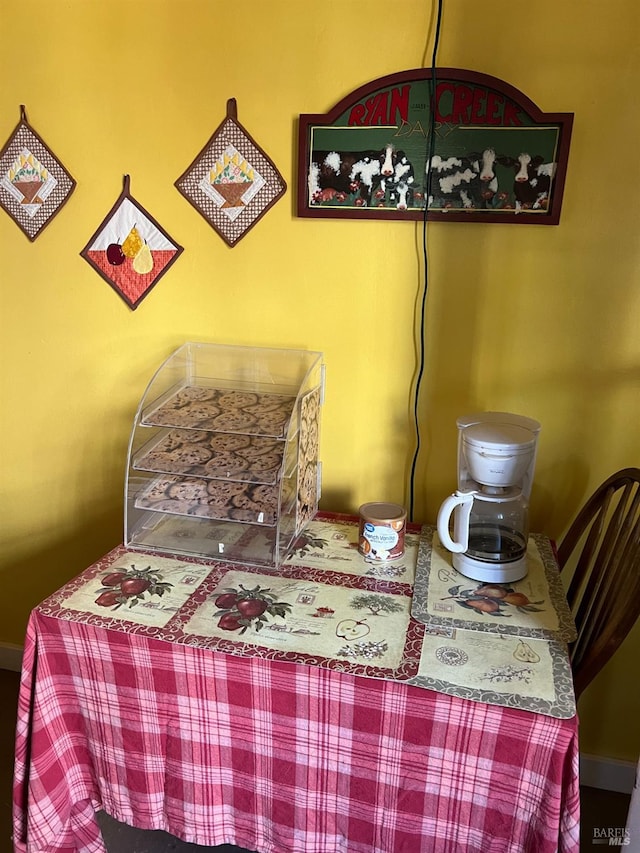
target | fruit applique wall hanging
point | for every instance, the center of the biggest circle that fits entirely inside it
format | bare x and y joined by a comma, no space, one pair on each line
34,185
232,182
130,250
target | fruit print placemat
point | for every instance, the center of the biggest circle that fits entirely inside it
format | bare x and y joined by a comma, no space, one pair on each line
499,669
327,607
535,606
232,182
34,185
130,250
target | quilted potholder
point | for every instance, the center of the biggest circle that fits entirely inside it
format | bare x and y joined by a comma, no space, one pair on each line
232,182
34,185
130,250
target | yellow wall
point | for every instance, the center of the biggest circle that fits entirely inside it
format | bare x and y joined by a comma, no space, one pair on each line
537,320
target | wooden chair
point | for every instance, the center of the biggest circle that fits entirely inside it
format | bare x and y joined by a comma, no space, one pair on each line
600,560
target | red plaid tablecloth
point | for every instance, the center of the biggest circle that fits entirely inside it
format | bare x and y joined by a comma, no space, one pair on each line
274,756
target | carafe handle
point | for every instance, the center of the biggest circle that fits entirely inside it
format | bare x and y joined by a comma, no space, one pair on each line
464,501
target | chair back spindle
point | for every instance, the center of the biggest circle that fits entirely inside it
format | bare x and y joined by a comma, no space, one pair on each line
601,553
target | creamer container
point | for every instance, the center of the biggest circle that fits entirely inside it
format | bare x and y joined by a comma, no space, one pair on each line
382,527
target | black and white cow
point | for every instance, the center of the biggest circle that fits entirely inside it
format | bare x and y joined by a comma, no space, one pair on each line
532,180
399,184
488,178
468,181
336,174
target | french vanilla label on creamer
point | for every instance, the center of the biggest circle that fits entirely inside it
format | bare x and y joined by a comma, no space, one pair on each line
380,542
381,539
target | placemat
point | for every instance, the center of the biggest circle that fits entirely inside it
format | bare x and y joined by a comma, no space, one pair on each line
346,622
534,607
327,607
498,669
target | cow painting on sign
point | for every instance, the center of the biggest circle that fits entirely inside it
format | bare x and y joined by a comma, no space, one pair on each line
532,181
397,188
469,181
335,175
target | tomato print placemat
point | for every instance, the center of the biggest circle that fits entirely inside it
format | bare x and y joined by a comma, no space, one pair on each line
130,250
535,606
34,185
232,182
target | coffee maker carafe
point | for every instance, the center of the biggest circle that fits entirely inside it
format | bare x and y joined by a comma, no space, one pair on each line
496,461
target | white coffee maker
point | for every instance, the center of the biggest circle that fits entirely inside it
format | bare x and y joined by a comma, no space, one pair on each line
496,461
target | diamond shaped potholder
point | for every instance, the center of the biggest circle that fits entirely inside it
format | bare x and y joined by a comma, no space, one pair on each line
232,182
34,185
130,250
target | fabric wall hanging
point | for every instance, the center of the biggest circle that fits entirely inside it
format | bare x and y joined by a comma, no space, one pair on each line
484,153
232,182
34,185
130,250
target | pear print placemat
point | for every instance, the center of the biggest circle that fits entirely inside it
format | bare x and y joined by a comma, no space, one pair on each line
130,250
232,182
498,669
34,185
535,606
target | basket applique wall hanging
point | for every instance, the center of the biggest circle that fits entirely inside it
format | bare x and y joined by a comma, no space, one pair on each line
34,185
130,250
232,182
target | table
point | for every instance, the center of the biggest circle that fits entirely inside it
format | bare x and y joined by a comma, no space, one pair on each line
234,739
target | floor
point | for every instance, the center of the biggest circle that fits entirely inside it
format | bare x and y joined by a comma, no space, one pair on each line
600,809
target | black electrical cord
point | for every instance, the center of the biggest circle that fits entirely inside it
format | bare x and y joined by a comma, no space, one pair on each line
423,303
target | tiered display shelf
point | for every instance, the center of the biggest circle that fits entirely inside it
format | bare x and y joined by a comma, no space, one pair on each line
223,457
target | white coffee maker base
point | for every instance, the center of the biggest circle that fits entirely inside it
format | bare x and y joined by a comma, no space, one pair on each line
479,570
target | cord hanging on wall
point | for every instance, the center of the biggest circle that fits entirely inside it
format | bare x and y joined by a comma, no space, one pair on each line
430,151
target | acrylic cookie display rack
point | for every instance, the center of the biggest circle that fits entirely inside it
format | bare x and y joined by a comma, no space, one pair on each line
223,457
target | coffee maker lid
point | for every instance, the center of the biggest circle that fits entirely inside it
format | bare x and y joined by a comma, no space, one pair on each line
499,437
465,421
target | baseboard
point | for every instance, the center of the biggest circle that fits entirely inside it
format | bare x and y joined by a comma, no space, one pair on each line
608,774
11,657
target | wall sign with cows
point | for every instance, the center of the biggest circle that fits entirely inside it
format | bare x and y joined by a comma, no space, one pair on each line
494,157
